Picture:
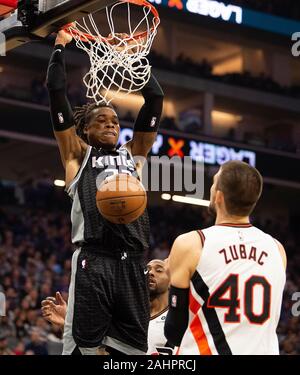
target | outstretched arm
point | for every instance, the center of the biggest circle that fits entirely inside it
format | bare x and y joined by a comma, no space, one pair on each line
147,122
183,260
71,147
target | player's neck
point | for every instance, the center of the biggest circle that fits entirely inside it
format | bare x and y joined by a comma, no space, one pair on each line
102,146
223,218
106,149
159,304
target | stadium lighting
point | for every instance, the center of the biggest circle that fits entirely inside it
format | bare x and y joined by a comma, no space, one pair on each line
190,200
59,183
166,197
187,200
135,101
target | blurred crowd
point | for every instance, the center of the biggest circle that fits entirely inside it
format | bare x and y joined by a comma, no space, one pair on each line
35,258
203,69
37,93
268,138
286,8
191,122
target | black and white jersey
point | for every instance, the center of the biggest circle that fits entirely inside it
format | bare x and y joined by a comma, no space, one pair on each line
157,342
235,293
88,225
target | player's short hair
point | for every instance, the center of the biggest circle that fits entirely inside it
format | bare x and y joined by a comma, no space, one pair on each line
82,116
241,185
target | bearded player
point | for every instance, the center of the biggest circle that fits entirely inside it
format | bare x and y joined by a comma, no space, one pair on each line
227,281
54,308
159,283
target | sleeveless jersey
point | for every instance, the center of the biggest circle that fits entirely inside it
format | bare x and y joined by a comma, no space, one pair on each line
157,342
89,227
235,293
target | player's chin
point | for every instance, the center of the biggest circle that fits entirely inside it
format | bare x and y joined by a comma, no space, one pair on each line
152,287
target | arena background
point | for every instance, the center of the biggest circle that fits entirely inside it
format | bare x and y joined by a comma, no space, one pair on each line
232,90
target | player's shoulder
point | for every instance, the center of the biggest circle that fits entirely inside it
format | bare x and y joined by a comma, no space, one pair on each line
278,244
186,251
187,242
282,252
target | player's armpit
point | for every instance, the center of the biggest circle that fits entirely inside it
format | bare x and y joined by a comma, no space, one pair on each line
71,146
138,159
141,143
72,150
183,259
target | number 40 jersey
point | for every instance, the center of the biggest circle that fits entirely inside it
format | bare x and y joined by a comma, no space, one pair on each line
235,293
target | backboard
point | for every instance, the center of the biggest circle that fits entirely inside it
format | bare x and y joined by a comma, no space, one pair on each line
34,20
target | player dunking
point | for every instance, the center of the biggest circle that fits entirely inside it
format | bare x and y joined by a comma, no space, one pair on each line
227,281
108,297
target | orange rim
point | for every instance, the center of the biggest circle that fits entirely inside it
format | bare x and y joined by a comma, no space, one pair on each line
85,37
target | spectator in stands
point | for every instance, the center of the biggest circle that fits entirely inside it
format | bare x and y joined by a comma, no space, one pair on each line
20,348
35,262
169,123
38,91
36,345
4,349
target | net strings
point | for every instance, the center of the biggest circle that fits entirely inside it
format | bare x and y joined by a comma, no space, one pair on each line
120,65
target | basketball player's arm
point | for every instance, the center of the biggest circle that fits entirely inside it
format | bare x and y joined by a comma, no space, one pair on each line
282,253
148,119
183,260
71,147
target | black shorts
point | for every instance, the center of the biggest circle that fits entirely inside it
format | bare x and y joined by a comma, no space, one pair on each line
111,301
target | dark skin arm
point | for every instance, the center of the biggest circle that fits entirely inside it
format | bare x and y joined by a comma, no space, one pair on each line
147,122
141,143
72,148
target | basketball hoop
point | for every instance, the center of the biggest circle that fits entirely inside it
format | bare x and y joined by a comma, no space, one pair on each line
118,59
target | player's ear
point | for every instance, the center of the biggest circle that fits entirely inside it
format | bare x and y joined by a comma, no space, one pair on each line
219,197
85,131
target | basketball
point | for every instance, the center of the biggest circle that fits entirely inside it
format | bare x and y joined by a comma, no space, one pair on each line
203,97
121,199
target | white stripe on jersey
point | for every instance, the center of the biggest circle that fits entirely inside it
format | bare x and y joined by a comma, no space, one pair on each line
250,262
156,337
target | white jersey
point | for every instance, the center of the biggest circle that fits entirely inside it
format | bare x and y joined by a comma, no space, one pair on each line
157,342
235,293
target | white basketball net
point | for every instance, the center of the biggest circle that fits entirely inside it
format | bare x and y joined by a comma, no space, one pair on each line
118,62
